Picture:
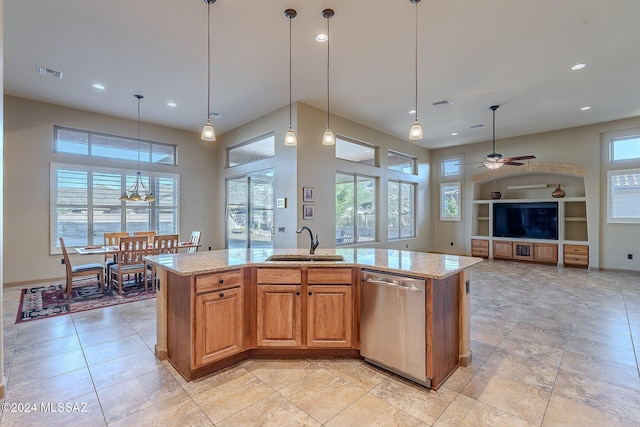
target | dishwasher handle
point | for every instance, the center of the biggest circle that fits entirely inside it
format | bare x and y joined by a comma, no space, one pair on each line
394,285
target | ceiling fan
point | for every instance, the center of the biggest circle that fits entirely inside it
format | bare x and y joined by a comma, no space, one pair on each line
495,160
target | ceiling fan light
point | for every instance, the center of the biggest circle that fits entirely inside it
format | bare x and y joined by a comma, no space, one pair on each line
493,165
415,133
290,138
328,138
208,133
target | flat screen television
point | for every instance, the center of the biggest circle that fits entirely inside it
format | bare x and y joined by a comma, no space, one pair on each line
529,220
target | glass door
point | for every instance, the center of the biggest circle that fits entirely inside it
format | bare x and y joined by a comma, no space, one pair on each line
250,211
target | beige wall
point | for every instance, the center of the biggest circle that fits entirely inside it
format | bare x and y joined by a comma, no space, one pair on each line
28,136
310,164
609,243
2,377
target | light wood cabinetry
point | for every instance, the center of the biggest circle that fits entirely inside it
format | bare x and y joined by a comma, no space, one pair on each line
279,307
279,315
480,248
526,251
218,325
545,252
329,307
328,313
502,249
576,256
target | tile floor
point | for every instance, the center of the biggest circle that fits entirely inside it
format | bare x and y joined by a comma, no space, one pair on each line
550,347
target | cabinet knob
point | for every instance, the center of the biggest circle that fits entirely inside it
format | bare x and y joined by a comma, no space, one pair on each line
310,293
298,293
221,281
221,294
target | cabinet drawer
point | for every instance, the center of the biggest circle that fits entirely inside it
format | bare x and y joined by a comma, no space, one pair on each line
215,281
576,249
329,276
480,244
480,252
571,259
279,276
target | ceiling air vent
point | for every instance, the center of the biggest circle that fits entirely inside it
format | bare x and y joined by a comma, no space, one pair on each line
477,126
442,103
44,71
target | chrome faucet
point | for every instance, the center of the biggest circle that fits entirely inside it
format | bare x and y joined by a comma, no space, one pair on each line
315,244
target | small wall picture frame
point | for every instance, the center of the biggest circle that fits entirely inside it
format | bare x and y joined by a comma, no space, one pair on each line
281,203
308,194
307,212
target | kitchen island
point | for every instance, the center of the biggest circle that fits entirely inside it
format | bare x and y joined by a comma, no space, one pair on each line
216,308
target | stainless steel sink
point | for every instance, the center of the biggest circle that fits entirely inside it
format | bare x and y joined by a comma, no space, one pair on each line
305,258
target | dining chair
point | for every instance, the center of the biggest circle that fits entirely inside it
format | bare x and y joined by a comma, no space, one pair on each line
83,270
149,234
111,239
162,244
195,239
130,256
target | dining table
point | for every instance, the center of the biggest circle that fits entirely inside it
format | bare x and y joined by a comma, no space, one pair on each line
107,250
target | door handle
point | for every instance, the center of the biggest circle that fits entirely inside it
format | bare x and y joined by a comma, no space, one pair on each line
393,285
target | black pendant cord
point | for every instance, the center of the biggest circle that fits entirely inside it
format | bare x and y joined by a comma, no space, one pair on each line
328,41
416,62
208,61
139,98
290,74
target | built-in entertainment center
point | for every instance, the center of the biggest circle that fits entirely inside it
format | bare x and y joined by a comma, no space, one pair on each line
527,224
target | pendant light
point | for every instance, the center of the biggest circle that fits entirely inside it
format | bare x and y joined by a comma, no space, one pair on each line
415,133
133,193
208,133
328,138
290,138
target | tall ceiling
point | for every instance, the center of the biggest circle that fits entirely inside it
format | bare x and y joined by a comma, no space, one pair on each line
514,53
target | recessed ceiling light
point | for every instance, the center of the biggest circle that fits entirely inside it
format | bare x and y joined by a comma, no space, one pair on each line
585,108
322,37
454,134
171,104
98,86
412,111
578,66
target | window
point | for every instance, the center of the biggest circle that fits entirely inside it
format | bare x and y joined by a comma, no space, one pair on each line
402,210
355,209
73,141
263,147
450,201
624,193
450,168
401,162
354,151
85,203
627,148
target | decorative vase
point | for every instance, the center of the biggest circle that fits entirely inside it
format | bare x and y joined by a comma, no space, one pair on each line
558,192
496,195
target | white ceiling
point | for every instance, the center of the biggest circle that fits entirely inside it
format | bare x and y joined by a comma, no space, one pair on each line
515,53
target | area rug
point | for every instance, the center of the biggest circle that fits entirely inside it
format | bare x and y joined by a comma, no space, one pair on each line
48,301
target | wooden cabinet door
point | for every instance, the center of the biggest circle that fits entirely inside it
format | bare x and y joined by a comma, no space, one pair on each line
546,252
218,325
502,249
279,315
329,316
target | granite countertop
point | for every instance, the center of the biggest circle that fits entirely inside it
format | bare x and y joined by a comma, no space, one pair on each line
417,264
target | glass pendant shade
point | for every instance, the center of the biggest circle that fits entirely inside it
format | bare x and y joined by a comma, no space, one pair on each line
328,138
493,165
208,133
415,133
290,138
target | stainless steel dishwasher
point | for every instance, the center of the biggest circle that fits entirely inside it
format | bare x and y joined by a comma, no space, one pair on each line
393,324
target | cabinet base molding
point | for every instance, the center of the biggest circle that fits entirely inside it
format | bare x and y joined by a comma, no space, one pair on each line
268,353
